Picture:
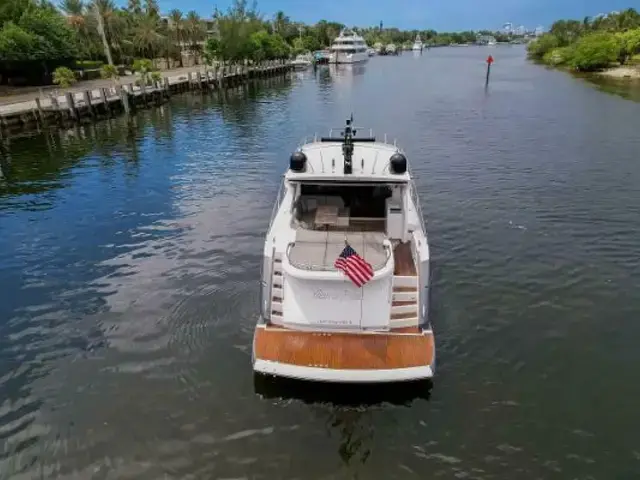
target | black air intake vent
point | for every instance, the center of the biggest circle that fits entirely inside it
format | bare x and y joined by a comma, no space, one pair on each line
398,163
298,162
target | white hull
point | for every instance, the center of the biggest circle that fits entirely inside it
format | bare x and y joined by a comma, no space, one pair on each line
315,323
301,65
339,57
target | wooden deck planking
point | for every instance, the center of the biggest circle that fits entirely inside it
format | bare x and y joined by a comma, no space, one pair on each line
344,351
404,265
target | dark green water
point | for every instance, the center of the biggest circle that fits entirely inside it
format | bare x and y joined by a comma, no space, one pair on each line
129,263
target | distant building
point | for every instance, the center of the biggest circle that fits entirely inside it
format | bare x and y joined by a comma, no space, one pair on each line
538,31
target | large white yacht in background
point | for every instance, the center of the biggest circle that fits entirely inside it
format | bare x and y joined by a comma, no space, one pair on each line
345,277
417,44
348,47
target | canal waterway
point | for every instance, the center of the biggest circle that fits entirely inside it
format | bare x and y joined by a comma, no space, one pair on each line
130,255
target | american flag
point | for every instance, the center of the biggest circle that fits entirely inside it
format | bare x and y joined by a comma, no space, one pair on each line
354,266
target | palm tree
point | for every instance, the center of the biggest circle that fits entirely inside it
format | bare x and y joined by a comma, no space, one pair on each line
280,23
134,7
176,27
75,13
146,37
104,11
151,8
194,29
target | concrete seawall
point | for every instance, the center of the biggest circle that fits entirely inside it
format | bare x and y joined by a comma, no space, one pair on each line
63,110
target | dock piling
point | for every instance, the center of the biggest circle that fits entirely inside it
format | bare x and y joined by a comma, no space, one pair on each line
71,105
105,102
43,117
87,100
124,96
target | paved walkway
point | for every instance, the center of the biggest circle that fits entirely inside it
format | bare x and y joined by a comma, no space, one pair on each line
10,95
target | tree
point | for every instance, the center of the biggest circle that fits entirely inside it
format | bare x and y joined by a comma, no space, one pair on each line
543,45
280,23
146,37
629,44
176,29
235,28
151,8
102,9
16,43
38,33
595,51
134,7
194,30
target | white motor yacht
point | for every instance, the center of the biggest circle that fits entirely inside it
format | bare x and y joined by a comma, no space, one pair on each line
302,61
417,44
391,49
348,47
345,276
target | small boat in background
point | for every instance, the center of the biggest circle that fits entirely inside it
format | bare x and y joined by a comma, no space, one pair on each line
322,57
302,61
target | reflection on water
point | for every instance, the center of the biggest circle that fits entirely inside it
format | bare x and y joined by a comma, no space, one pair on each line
130,252
626,88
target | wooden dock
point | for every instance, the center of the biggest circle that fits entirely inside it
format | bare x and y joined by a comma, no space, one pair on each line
73,107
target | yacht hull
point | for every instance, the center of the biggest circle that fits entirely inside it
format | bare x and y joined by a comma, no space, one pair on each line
341,357
348,58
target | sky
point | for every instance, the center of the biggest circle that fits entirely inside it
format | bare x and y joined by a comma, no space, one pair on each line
441,15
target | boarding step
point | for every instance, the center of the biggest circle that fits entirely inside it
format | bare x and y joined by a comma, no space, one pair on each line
405,296
277,291
405,281
276,304
404,319
276,318
398,307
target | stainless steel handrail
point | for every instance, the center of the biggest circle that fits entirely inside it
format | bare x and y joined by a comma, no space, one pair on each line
324,268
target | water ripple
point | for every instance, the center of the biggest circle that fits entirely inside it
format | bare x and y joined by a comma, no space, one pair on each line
131,251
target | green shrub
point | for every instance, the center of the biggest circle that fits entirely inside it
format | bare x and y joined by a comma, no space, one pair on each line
543,45
558,56
89,64
109,71
144,67
595,52
64,77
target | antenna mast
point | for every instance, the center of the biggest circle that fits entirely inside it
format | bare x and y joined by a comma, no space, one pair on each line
347,146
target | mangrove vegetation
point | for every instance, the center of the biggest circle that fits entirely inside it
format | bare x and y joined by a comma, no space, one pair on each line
591,44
